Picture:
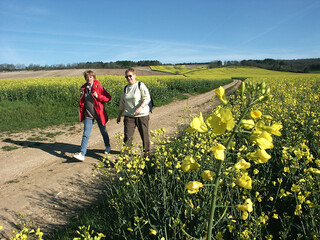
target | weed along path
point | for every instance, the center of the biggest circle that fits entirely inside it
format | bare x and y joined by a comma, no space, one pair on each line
40,180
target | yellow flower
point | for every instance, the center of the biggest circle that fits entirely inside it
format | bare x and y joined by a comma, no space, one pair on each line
286,169
274,129
218,151
314,170
245,181
311,204
245,215
153,232
208,175
249,204
230,227
259,156
283,193
245,234
267,117
256,114
198,124
40,234
220,121
245,208
220,92
247,124
191,204
242,165
269,237
193,187
298,209
189,164
262,138
219,236
295,188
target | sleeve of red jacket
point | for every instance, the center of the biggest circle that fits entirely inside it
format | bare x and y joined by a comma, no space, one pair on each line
104,96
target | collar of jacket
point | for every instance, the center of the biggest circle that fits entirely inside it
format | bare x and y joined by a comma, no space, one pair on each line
94,85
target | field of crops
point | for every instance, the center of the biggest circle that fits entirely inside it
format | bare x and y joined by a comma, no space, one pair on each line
40,102
248,170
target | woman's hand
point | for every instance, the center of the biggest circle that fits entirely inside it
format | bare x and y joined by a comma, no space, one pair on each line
95,94
139,109
118,119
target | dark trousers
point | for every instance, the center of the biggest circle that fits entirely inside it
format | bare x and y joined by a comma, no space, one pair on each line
130,124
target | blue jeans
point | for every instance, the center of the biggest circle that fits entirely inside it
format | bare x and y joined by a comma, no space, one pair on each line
88,123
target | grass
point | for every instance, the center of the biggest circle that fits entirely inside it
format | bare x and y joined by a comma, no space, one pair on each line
9,148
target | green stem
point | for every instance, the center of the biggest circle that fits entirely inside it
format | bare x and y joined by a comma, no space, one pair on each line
136,191
218,173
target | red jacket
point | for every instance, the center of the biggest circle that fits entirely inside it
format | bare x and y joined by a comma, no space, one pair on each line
103,96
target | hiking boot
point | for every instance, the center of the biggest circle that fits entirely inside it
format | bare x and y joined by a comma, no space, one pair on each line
79,157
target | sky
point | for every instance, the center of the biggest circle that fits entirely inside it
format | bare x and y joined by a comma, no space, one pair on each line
49,32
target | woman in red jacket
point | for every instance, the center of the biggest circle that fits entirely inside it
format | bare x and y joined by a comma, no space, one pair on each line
91,108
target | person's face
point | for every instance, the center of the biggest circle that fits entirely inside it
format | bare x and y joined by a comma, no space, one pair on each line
131,78
90,79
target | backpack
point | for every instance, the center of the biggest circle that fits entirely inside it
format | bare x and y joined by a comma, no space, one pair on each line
151,101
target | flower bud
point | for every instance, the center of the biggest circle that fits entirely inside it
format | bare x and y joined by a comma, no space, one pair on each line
268,90
243,88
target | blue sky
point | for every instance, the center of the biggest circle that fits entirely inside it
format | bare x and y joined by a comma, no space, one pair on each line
171,31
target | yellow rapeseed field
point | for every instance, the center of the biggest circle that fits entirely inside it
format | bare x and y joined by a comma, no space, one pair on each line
250,169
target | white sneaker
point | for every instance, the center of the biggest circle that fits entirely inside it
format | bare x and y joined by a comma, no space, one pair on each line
107,150
79,157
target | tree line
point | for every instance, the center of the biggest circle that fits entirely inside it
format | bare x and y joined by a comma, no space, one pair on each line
83,65
297,65
294,65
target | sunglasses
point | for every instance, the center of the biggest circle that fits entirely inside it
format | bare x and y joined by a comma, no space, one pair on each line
129,76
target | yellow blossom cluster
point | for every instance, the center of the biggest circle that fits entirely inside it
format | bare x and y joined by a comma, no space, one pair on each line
264,169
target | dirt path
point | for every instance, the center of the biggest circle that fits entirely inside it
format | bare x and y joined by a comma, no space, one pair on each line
41,181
